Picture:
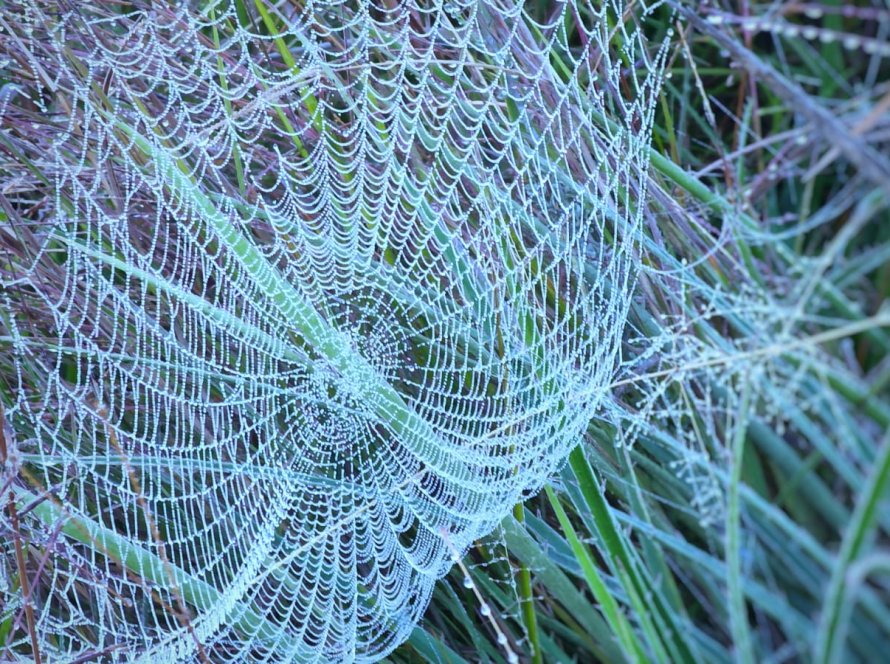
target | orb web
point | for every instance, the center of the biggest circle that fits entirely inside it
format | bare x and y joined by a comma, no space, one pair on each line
327,290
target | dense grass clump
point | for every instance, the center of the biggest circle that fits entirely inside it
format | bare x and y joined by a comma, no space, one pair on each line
290,328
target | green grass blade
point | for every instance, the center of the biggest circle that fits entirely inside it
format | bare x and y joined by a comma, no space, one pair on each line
738,615
631,647
619,557
862,525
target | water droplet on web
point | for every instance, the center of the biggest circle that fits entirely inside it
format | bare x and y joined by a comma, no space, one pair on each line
453,9
485,610
468,582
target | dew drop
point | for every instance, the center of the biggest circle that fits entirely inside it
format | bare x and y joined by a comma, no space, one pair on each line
468,582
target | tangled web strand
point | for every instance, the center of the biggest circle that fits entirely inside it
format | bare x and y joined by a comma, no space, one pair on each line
326,291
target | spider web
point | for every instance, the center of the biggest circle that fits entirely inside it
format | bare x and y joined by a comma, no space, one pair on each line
325,290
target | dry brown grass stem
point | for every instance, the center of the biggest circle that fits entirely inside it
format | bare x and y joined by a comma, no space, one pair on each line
19,549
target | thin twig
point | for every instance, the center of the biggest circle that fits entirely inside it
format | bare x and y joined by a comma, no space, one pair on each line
865,124
485,606
19,551
40,567
866,159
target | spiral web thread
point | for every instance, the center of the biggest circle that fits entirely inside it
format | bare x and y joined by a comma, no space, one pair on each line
324,289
